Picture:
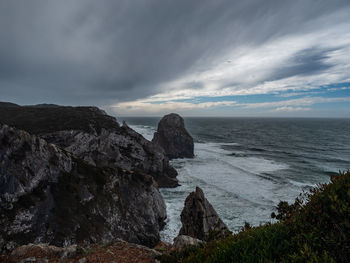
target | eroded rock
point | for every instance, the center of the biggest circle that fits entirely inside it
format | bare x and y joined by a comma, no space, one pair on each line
92,135
200,220
172,136
49,196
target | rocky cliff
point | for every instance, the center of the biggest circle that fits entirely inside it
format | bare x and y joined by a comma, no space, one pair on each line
172,136
90,134
200,220
49,196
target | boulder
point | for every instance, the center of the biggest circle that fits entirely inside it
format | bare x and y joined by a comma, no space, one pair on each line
200,220
48,195
172,136
182,241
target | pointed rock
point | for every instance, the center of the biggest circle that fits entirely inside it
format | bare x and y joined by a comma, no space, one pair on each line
200,220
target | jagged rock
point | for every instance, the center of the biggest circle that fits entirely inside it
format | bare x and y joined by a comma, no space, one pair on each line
90,134
182,241
200,220
172,136
49,196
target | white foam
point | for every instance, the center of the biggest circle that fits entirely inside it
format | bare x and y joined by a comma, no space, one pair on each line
145,131
238,187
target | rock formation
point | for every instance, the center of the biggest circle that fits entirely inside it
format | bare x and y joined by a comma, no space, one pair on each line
172,136
47,195
116,251
90,134
200,220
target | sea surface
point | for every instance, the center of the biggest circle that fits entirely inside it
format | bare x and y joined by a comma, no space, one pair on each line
245,166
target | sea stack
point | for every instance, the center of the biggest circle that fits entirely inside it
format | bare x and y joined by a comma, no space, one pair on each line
172,136
200,220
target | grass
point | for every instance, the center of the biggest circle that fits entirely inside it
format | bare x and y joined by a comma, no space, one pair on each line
314,230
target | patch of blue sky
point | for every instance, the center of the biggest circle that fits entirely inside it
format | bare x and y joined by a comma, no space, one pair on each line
339,105
238,98
333,90
337,90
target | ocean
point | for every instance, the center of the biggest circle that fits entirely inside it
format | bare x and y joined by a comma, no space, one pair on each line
245,166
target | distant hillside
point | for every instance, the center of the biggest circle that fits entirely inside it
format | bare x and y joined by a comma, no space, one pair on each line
315,231
8,104
44,118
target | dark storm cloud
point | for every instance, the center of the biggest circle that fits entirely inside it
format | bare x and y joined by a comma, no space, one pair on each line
96,52
305,62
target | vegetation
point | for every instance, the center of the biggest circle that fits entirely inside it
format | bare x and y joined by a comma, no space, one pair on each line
51,118
314,230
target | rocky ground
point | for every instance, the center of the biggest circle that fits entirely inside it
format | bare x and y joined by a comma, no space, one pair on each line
118,252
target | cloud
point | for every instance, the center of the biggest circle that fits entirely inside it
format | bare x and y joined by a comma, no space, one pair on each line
147,107
123,52
291,109
142,107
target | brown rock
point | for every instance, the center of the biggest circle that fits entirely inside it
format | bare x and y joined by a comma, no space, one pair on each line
200,220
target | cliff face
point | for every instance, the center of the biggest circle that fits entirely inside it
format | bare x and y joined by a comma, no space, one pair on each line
90,134
125,148
49,196
172,136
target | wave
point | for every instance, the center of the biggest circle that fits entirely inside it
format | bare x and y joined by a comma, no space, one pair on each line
242,183
146,131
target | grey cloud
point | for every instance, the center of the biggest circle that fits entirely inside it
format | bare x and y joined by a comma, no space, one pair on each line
98,52
304,63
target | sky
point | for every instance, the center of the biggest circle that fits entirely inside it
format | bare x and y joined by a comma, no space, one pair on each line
251,58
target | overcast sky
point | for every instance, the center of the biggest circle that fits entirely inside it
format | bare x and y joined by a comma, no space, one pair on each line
197,57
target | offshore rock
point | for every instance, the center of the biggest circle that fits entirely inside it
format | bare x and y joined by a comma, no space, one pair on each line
200,220
90,134
49,196
172,136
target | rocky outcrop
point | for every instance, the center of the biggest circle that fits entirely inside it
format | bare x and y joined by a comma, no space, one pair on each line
172,136
45,251
49,196
116,251
123,148
200,220
90,134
